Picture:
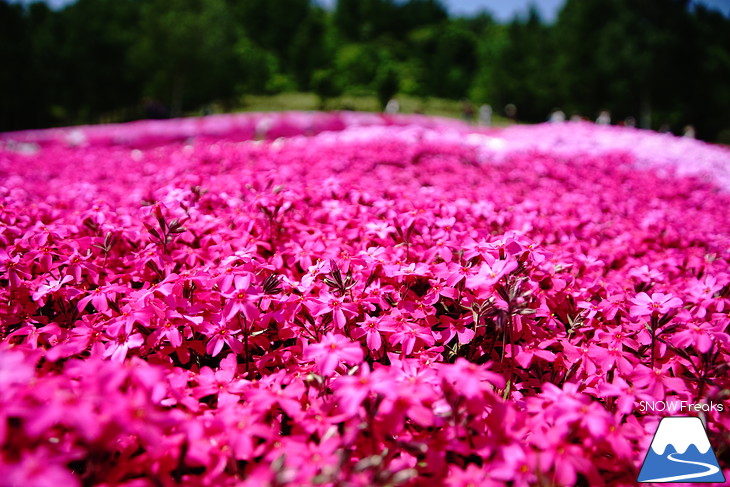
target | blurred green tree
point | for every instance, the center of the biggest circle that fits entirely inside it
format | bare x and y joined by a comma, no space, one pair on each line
16,49
310,48
662,61
492,39
97,36
386,83
659,60
356,65
526,74
326,85
183,51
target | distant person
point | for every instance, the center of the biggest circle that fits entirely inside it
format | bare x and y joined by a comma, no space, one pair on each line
665,128
392,106
604,118
556,116
468,111
630,122
510,110
485,115
155,109
689,132
577,117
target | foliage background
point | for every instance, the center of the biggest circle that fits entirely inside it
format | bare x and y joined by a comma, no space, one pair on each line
664,62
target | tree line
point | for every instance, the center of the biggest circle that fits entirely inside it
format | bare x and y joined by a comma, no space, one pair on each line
663,62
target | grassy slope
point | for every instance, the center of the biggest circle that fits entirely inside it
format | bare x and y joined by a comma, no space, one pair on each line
366,103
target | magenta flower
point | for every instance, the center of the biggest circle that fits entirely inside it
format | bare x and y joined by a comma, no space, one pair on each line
332,351
355,299
470,379
372,329
456,328
657,303
38,468
220,333
339,308
472,476
657,382
438,290
409,334
15,368
120,345
699,335
238,299
550,319
351,390
169,329
51,287
100,297
12,268
611,306
220,382
526,354
591,309
489,274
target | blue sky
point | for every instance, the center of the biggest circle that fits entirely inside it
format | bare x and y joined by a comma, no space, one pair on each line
502,10
505,10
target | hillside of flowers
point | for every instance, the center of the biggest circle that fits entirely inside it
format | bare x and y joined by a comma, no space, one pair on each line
303,299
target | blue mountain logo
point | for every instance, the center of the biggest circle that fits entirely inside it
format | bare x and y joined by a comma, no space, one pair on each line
680,452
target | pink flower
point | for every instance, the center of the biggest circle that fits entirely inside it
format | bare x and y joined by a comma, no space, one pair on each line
344,262
120,345
38,468
591,309
658,303
16,368
438,290
339,308
372,329
169,327
238,299
471,476
49,288
411,333
100,297
699,335
525,354
220,333
13,268
456,328
611,306
489,274
657,381
333,350
550,319
470,379
627,397
352,390
220,382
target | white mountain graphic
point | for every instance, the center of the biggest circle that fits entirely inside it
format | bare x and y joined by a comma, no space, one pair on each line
680,433
680,451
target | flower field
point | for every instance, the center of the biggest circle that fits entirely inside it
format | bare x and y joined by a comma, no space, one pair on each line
355,300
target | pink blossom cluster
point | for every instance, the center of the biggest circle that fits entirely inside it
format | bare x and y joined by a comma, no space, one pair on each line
665,154
377,302
148,133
